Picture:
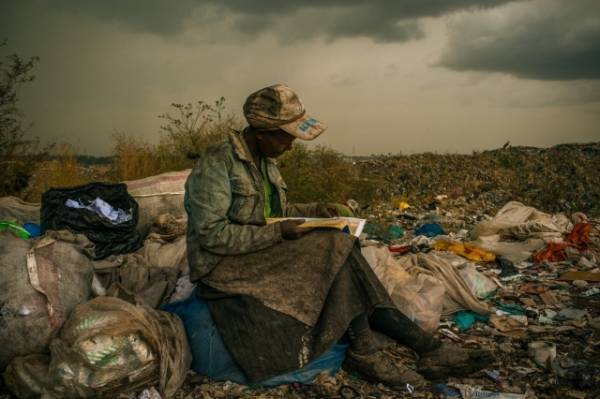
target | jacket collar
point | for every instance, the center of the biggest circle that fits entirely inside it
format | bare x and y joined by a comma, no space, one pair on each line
241,148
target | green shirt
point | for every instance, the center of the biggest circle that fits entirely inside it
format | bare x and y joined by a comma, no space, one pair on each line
267,187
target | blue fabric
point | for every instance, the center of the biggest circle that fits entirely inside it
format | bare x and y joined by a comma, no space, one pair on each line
430,230
465,319
211,357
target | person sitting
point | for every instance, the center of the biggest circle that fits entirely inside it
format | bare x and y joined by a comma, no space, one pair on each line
281,294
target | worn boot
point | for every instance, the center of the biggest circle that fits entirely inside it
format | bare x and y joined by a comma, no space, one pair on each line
379,367
370,362
437,360
452,361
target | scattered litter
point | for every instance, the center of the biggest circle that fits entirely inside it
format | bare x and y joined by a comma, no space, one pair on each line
475,392
465,319
430,230
542,353
149,393
15,229
572,314
591,292
468,251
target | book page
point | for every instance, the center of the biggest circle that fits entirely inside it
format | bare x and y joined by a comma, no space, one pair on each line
355,225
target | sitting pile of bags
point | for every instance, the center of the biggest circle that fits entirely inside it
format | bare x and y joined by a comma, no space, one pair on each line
101,303
78,303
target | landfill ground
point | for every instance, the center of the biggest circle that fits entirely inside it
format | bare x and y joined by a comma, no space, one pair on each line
562,312
574,374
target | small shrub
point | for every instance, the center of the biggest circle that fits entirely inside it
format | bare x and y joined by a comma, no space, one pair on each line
323,175
188,130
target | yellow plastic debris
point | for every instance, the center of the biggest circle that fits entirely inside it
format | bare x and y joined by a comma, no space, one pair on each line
400,204
469,251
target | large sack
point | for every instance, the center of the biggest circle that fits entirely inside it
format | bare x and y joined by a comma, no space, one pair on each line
522,222
41,281
108,347
419,297
386,268
161,253
26,375
109,238
445,268
15,210
157,195
131,275
480,285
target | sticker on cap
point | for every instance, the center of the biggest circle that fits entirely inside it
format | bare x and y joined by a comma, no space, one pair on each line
306,125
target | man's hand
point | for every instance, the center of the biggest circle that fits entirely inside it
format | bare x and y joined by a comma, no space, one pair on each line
290,229
325,210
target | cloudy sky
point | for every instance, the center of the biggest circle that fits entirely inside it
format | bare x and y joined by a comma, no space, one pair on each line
387,76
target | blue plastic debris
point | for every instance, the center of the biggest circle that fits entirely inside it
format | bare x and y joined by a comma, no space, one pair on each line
429,230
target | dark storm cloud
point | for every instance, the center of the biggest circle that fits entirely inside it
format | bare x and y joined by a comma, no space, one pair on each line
382,21
546,40
155,16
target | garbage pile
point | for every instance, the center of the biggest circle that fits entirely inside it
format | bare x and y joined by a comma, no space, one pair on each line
523,283
555,179
82,317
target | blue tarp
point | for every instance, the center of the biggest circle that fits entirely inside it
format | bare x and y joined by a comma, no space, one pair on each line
211,357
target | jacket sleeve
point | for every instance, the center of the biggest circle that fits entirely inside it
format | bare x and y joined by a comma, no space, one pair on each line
208,193
301,210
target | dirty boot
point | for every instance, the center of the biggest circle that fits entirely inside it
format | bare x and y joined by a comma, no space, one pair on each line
450,360
396,325
378,367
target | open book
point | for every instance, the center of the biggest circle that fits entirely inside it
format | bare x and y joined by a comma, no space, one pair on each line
352,226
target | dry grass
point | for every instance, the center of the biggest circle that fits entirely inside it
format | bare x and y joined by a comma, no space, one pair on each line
63,172
134,158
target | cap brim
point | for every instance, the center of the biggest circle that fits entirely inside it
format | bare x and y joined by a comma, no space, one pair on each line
305,128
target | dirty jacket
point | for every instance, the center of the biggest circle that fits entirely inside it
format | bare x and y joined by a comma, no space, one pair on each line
225,200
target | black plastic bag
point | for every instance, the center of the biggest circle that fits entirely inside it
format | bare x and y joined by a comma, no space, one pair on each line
108,238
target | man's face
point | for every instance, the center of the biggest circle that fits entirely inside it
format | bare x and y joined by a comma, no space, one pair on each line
273,143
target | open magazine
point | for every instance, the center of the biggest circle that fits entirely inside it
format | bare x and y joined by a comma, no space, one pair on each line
349,225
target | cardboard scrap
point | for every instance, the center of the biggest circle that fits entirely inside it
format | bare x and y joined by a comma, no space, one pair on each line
528,302
549,298
508,323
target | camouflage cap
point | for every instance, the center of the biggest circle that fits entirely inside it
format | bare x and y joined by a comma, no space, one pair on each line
278,107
